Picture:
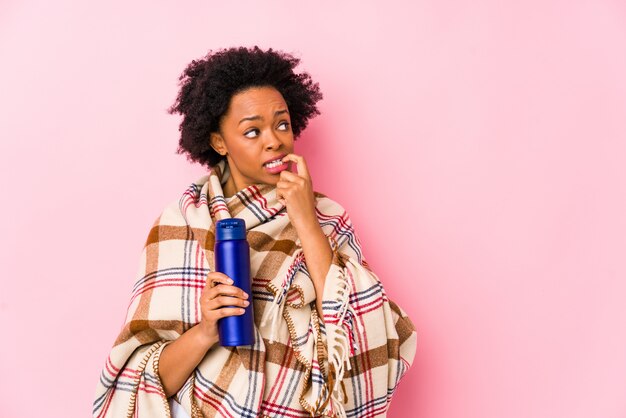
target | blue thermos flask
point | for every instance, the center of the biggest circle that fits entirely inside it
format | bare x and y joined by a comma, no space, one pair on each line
232,257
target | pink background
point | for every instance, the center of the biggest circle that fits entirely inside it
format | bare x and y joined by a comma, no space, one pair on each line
493,134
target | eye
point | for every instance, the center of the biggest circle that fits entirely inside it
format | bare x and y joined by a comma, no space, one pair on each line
252,133
283,126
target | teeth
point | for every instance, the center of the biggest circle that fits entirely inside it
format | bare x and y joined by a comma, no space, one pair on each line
273,164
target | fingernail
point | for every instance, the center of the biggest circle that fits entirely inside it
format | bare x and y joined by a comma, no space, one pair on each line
245,302
230,281
245,295
242,310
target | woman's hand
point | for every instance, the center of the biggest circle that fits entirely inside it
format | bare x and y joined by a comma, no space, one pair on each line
216,301
295,191
182,356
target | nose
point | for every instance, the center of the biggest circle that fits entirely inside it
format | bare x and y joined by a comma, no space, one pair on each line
272,141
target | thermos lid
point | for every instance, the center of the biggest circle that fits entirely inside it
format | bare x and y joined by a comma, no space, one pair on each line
230,229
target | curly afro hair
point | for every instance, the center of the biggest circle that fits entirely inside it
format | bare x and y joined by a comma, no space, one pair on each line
208,84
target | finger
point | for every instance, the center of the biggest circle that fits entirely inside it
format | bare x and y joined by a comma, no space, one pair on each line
215,277
287,177
227,290
227,301
224,312
222,295
216,282
284,188
302,169
282,184
281,188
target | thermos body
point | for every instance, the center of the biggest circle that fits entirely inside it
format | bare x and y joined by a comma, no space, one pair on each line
232,257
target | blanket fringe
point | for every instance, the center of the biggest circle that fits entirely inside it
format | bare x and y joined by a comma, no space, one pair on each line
340,327
274,312
339,347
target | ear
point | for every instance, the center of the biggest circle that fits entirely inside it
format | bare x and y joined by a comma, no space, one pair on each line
218,143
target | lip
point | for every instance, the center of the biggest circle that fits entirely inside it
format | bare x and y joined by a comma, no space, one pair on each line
278,168
280,157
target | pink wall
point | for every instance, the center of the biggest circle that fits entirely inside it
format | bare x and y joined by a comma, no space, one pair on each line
494,131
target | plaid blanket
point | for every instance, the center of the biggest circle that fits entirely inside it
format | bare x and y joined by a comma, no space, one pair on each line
347,365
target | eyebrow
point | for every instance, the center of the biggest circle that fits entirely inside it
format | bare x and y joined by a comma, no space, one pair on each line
257,117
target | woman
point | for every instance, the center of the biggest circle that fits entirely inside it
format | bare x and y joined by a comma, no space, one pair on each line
328,340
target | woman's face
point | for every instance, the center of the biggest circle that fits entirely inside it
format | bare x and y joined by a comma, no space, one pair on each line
255,129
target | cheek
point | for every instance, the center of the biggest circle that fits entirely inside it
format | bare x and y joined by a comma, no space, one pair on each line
289,139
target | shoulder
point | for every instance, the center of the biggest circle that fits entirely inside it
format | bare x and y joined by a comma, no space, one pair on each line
172,214
337,225
332,216
169,224
327,205
194,197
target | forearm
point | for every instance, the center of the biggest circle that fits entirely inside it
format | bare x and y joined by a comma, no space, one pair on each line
180,358
318,255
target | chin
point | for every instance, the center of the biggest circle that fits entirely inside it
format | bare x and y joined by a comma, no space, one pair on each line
272,179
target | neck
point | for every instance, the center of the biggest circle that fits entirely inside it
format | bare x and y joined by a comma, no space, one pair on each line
229,188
